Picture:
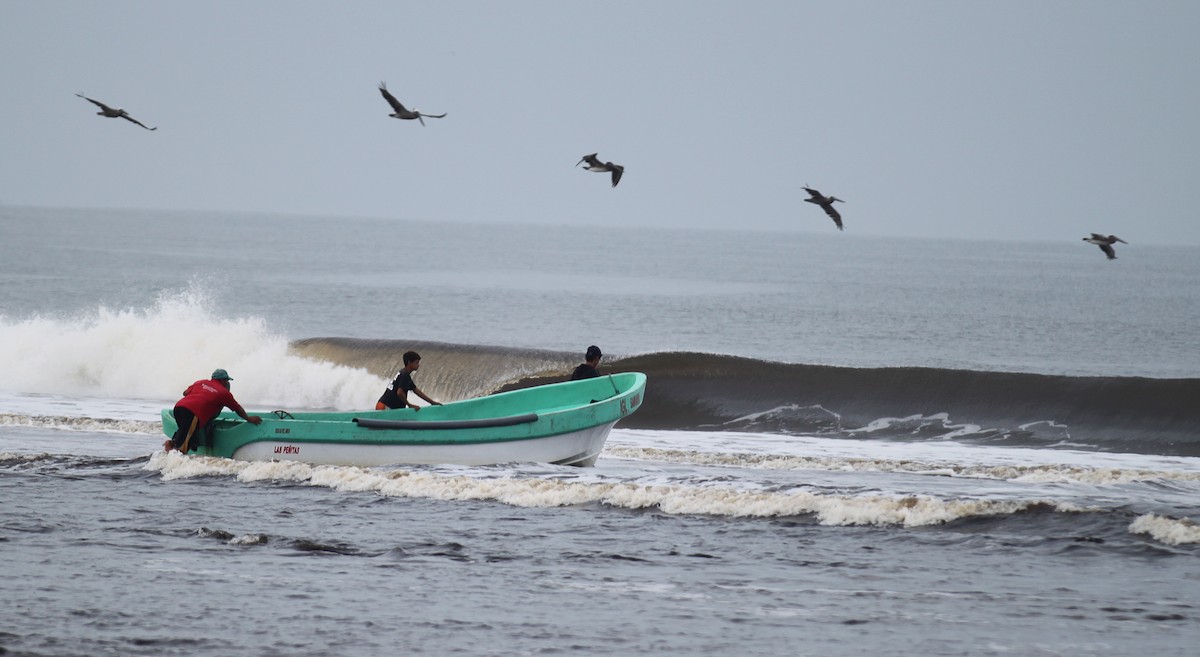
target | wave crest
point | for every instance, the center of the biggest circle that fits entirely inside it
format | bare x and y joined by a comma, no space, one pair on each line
1171,531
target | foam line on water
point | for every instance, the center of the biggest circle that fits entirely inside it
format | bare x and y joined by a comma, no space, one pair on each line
906,510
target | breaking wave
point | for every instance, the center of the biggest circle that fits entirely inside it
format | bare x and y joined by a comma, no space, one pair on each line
697,391
153,353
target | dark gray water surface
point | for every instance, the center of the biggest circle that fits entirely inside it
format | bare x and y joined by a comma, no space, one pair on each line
892,538
103,557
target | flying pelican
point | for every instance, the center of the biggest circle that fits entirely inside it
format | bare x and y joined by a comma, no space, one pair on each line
594,164
114,112
400,111
1105,243
826,203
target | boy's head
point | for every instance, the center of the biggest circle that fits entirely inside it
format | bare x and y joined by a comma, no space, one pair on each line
411,357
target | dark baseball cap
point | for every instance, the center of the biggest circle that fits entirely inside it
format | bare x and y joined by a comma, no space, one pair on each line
221,375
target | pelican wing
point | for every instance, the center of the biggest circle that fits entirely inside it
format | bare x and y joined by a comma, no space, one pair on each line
133,120
387,95
96,103
833,214
617,171
813,193
1108,251
591,160
1098,236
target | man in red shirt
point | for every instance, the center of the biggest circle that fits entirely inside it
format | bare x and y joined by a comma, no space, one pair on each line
200,404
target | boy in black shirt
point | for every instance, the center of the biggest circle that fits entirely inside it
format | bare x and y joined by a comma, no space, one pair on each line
588,370
396,395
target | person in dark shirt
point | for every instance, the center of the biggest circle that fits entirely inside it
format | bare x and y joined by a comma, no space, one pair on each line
587,369
396,395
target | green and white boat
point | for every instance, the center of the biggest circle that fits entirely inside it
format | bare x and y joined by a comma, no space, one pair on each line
562,423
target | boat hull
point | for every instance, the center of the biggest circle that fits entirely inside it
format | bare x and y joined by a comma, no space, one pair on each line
563,423
574,448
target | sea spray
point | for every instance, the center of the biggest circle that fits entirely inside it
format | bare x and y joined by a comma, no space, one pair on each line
156,352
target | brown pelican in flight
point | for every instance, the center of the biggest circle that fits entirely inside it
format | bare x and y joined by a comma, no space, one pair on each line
594,164
826,203
114,112
1105,243
399,111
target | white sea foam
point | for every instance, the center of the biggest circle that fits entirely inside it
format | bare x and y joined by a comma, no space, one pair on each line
918,422
646,450
550,491
1047,473
780,452
155,353
1172,531
67,423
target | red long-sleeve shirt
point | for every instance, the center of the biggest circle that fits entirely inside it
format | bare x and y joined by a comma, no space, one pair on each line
206,397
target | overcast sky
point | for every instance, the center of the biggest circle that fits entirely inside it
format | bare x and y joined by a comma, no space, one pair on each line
1041,120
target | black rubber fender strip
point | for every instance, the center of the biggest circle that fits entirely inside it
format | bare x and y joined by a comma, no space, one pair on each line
481,423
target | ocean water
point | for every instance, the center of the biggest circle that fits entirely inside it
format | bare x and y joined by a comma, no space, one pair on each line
849,445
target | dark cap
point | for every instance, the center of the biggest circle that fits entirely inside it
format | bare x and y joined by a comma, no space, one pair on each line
221,375
593,352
